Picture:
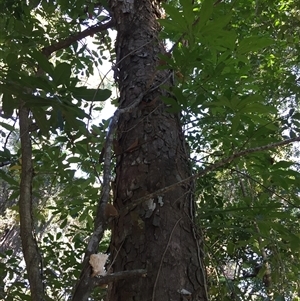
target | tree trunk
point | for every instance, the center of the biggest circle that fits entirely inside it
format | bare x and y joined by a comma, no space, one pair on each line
156,234
29,244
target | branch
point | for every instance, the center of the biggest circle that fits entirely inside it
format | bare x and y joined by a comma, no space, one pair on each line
4,163
95,238
29,245
210,168
162,258
85,285
30,249
117,276
217,2
264,187
244,153
64,43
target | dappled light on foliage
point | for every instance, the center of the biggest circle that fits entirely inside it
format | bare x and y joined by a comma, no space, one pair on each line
200,157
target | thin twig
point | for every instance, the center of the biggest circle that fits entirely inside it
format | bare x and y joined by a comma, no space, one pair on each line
210,168
117,276
263,186
107,154
64,43
162,258
7,137
109,267
84,285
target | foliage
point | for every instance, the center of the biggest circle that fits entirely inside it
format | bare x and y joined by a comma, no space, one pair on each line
236,67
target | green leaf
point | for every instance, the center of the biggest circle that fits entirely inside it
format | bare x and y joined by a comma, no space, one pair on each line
296,116
172,104
205,13
253,98
215,27
72,112
11,58
64,223
258,108
169,26
5,153
62,73
61,139
177,17
42,83
58,235
7,126
282,164
253,43
59,118
42,61
74,159
293,134
235,123
271,126
91,94
23,28
80,149
40,117
8,103
90,221
37,101
188,13
10,180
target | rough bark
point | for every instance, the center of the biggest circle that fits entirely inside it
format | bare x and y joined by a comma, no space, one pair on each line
156,235
29,243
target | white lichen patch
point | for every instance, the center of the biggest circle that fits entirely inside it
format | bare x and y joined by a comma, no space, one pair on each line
97,262
184,292
151,205
160,200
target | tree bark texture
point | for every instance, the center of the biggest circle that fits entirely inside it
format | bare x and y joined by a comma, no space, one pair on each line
29,244
157,234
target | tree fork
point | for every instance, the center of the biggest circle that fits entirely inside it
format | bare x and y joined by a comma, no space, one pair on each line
156,235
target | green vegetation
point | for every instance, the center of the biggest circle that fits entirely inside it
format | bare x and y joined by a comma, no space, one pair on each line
237,86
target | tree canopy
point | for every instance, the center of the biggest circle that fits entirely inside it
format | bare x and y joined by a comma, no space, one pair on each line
235,67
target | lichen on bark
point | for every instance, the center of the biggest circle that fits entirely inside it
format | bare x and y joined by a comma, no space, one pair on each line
159,238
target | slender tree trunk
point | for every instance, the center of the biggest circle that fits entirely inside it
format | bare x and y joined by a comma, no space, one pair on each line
156,234
29,244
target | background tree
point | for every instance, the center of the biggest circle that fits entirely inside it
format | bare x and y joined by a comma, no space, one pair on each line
228,72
